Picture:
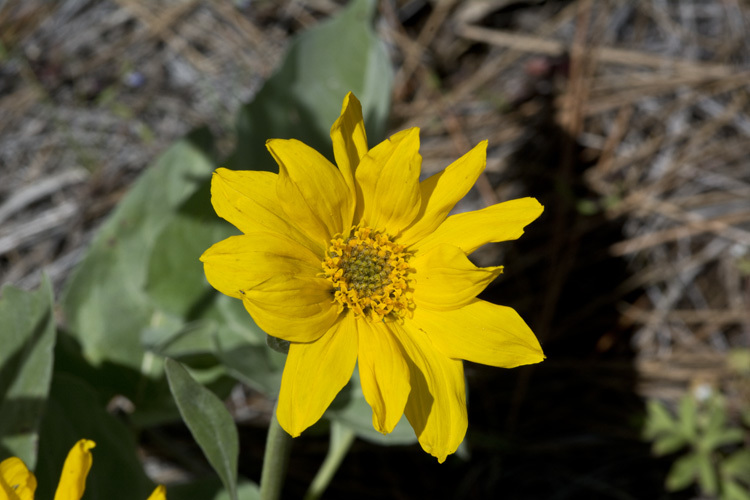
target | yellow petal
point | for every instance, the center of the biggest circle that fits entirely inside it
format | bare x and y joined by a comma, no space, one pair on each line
481,332
436,408
247,199
442,191
160,493
293,308
75,470
16,481
446,278
314,373
383,373
349,140
388,177
470,230
311,190
241,262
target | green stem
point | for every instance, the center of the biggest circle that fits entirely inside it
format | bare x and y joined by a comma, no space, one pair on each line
275,460
341,440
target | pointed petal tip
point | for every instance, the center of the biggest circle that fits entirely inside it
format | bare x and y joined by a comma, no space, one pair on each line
288,427
350,98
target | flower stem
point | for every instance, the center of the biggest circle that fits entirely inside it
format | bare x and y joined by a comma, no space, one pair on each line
275,460
341,440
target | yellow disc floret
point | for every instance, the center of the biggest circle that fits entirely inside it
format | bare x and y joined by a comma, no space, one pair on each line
369,273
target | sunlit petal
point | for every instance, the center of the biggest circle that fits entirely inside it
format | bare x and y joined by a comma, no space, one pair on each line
441,192
241,262
383,373
75,471
436,408
349,139
16,481
297,309
388,177
247,199
481,332
446,279
470,230
311,190
314,373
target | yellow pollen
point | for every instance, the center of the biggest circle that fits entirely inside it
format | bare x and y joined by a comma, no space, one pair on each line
369,273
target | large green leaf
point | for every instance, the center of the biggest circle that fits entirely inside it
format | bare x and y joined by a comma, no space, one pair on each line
74,412
175,281
104,301
27,329
303,98
209,422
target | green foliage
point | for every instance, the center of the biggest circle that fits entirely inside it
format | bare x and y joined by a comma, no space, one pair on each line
210,423
28,338
104,302
303,98
139,295
712,458
212,489
74,411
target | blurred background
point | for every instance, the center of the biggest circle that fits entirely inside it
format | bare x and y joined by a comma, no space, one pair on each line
629,121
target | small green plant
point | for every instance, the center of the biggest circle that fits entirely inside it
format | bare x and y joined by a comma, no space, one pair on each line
714,457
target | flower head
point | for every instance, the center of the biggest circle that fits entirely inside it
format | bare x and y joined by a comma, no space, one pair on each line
361,264
18,483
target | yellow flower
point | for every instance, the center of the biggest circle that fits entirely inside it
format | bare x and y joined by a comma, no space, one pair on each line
18,483
361,264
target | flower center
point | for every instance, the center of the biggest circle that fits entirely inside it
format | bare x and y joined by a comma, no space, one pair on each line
369,274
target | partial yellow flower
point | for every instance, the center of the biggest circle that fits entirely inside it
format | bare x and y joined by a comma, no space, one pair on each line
160,493
361,265
18,483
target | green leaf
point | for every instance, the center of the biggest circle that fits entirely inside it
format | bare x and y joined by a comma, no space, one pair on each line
175,280
211,489
209,422
707,477
737,465
303,98
246,490
232,316
26,358
658,420
683,472
732,490
184,342
74,412
664,445
688,416
724,437
104,302
255,366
